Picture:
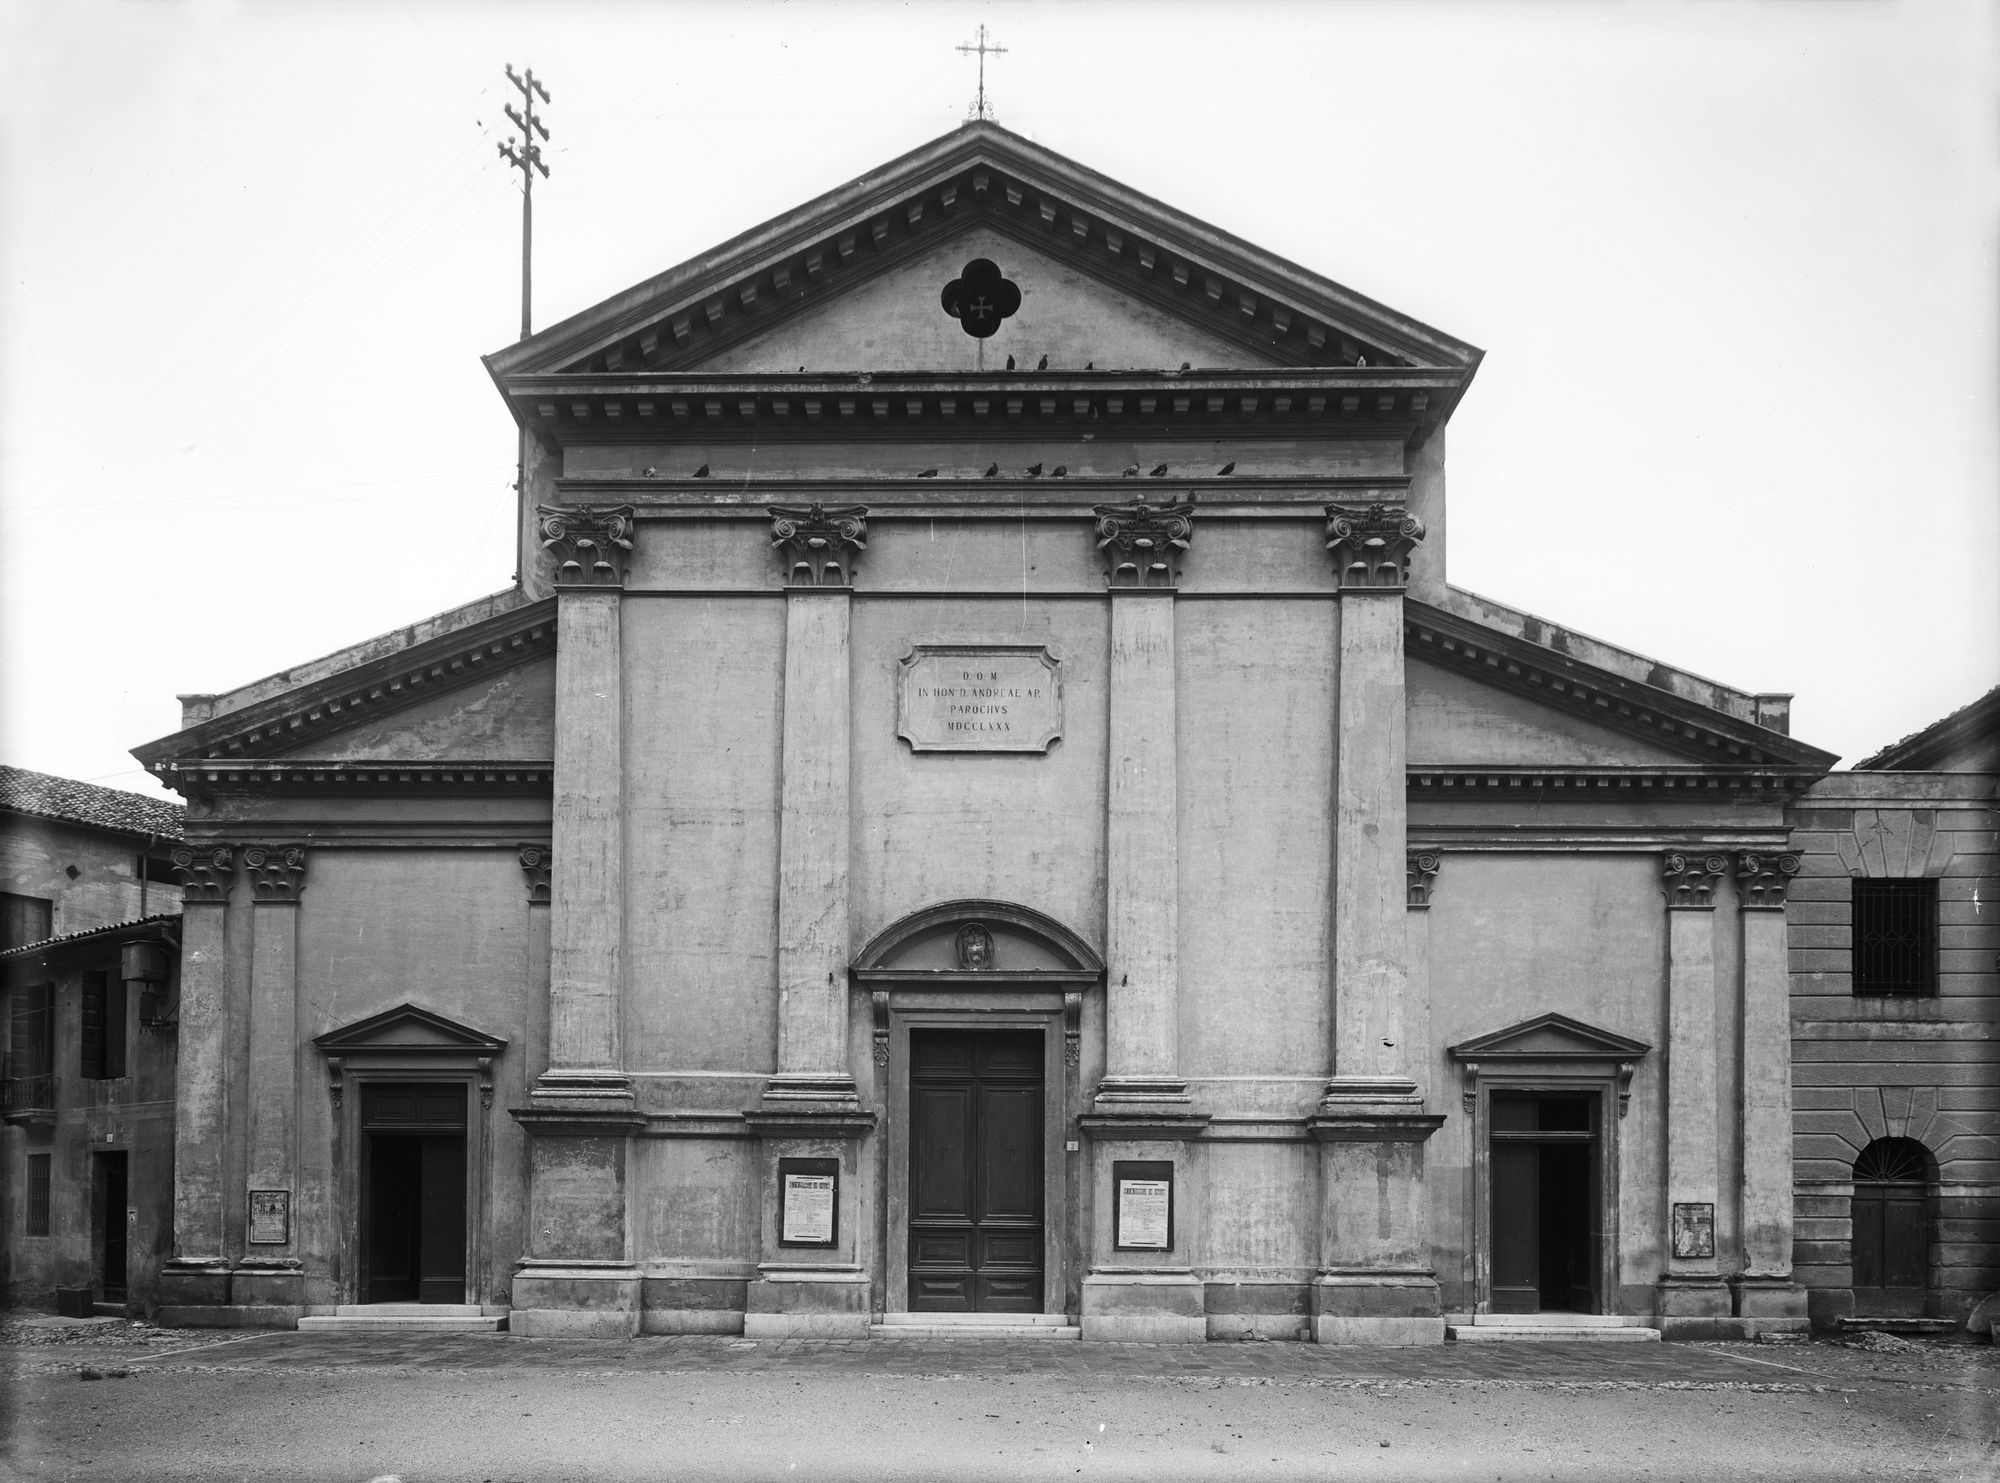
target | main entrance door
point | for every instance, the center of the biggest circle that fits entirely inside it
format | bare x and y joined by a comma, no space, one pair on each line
976,1171
1545,1205
413,1194
109,1196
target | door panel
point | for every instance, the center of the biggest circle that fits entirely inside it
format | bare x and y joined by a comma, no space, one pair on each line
441,1220
395,1174
976,1237
1891,1251
1517,1242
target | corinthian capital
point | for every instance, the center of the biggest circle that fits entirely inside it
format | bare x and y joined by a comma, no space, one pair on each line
277,871
1761,879
207,871
820,543
1142,544
590,542
1371,547
1690,879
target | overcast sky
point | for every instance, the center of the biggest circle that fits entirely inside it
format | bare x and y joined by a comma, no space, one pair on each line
1733,265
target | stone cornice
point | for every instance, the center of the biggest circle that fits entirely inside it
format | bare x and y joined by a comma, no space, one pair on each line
205,777
966,491
364,693
1474,783
1403,404
1569,685
982,174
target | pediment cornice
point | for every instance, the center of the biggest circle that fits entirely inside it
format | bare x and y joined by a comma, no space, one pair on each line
982,174
1720,745
366,692
1406,404
409,1029
1550,1037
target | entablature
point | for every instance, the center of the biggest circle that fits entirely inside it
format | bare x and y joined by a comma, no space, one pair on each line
1406,404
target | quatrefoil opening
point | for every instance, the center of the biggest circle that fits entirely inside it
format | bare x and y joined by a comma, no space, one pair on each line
979,298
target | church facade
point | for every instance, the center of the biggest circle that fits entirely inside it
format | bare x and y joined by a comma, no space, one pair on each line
983,800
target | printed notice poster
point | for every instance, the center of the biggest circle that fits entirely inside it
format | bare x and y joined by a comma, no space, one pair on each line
270,1217
1142,1213
1694,1231
808,1209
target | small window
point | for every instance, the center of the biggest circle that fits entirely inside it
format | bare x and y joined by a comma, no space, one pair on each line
102,1041
1895,937
25,919
38,1194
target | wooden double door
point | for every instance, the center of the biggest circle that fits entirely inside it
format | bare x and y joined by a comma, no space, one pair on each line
413,1194
976,1202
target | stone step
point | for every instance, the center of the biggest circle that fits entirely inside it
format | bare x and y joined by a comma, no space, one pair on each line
1897,1325
971,1333
407,1310
975,1320
414,1323
1560,1333
1550,1320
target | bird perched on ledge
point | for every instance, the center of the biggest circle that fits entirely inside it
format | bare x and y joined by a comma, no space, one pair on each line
1228,468
992,471
928,474
1131,471
1060,471
1159,471
1042,364
1034,471
702,472
1010,362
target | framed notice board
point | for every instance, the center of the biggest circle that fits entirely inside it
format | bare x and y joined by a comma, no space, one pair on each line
1142,1204
808,1202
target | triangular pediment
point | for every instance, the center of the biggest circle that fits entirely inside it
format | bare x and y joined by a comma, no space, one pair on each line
1551,1037
883,246
471,688
1461,719
411,1029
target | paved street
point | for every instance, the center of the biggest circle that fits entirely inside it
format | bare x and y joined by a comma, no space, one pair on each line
493,1408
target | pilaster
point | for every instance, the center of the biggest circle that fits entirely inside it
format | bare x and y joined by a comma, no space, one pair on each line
1765,1292
819,548
269,1272
587,894
1142,546
578,1279
197,1277
1693,1295
1375,1283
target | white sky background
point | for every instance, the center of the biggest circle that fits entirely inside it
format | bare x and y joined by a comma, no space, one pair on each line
1733,265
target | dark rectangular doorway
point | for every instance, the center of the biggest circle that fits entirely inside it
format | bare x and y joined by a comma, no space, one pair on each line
109,1191
413,1194
1545,1203
976,1171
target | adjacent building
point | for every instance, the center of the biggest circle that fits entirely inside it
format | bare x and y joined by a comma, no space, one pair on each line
984,800
1895,940
89,965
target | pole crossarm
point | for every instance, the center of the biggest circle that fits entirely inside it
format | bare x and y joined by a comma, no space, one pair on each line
527,158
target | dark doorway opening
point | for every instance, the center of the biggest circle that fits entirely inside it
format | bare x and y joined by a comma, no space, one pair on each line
413,1194
1546,1203
976,1171
1892,1246
109,1191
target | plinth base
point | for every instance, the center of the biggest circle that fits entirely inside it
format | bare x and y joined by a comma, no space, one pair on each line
1403,1309
807,1302
576,1300
1144,1307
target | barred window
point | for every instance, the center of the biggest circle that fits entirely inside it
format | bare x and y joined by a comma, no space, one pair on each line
1895,937
38,1194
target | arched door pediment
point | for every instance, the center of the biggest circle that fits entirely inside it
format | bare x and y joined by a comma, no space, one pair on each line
971,941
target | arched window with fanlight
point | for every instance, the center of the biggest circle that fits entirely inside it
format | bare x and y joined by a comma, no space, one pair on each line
1892,1237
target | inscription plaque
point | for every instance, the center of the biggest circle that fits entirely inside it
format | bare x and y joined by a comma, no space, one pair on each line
980,698
1143,1212
1694,1231
808,1202
270,1217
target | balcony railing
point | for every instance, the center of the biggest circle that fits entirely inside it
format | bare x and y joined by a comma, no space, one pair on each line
28,1099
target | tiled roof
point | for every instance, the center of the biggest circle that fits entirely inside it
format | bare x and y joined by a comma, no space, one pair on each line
46,797
26,949
1965,730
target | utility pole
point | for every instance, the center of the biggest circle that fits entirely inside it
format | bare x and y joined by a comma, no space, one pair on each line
527,159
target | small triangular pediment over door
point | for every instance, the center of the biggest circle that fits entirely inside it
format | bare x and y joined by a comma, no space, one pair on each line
411,1029
1551,1044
